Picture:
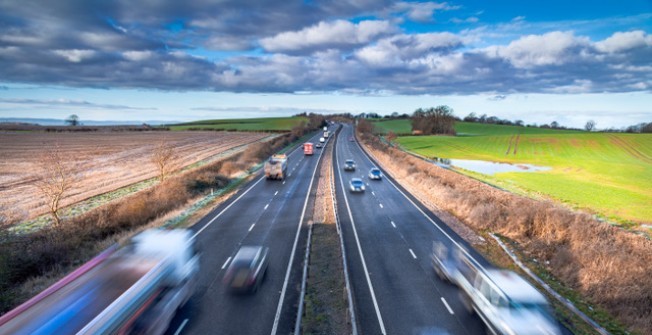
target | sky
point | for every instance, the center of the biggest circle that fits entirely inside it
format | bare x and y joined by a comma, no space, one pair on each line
537,61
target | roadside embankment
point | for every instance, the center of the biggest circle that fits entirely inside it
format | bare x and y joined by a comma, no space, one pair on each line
325,299
605,266
30,262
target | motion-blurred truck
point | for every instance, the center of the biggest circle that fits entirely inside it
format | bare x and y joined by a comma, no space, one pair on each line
276,167
308,149
134,289
506,303
326,133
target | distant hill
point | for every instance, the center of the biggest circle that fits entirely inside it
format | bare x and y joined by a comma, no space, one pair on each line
61,122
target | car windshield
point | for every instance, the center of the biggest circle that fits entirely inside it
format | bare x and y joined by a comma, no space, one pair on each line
357,182
349,162
375,171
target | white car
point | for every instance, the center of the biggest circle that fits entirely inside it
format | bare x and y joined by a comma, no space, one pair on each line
356,185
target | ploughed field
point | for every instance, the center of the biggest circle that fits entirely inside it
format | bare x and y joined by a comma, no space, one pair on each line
606,173
104,161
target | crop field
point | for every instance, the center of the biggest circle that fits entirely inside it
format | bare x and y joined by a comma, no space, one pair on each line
105,161
606,173
261,124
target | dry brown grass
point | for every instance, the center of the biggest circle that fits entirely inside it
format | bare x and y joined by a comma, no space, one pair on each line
23,257
608,266
106,161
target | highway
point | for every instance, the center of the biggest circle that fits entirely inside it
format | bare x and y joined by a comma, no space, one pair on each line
388,240
263,212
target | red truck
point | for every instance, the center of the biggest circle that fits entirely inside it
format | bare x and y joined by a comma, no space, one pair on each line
308,149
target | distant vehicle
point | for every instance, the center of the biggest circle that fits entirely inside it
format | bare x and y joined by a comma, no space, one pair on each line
322,140
375,174
349,165
135,289
276,167
308,149
326,133
357,185
505,302
319,145
247,269
351,139
325,128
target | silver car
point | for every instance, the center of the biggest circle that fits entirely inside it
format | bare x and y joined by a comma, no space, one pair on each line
247,269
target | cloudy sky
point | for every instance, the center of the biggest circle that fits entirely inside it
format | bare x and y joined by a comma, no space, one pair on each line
539,61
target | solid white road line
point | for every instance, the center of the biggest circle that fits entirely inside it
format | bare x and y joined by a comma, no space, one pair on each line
413,255
277,317
425,215
364,264
183,324
393,225
227,207
226,263
447,307
252,227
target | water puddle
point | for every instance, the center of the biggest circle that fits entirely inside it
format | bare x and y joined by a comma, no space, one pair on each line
487,167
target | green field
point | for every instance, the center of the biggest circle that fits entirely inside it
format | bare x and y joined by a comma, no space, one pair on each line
607,173
259,124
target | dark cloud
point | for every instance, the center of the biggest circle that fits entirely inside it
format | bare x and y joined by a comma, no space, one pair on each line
71,103
297,46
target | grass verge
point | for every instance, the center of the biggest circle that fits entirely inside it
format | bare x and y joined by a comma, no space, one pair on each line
325,299
604,265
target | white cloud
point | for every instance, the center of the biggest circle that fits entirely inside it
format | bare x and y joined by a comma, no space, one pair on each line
553,48
137,56
396,49
421,11
328,34
623,41
75,55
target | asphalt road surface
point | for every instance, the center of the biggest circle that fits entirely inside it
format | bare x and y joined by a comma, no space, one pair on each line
264,212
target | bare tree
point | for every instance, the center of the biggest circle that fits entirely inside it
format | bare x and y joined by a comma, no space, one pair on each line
73,120
57,175
590,125
391,137
163,157
437,120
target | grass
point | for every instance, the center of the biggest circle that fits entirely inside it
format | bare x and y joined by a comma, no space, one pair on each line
259,124
606,173
586,255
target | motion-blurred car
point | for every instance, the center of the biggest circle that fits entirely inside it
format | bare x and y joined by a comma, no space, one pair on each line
375,174
357,185
351,139
247,269
349,165
319,145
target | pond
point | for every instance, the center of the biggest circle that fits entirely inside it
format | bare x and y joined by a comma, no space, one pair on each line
487,167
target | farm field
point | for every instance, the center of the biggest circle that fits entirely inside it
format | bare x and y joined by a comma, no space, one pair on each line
105,161
260,124
606,173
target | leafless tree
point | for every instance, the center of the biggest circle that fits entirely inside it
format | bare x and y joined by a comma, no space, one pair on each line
391,137
57,175
590,124
437,120
163,157
73,120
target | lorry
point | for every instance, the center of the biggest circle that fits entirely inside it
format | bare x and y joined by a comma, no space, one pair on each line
506,303
276,167
326,134
308,149
134,289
